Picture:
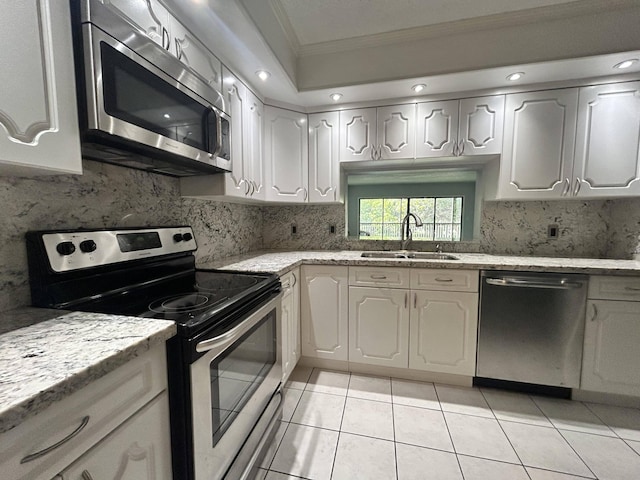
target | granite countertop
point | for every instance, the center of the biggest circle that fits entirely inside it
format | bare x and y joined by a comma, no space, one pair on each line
282,262
46,355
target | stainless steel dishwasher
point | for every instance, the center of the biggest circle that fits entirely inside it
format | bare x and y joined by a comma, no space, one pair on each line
531,327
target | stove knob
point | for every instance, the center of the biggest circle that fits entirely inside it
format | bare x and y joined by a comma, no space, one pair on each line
65,248
187,236
88,246
177,237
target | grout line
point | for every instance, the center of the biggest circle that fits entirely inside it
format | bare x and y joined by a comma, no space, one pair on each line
335,455
605,423
453,445
504,433
393,423
574,450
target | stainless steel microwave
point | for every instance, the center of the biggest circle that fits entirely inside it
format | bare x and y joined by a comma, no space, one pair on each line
141,107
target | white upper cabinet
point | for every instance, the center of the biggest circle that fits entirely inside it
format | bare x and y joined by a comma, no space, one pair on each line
396,131
472,126
437,133
324,157
148,15
377,133
253,147
481,124
39,131
358,134
194,54
236,96
538,148
286,155
607,157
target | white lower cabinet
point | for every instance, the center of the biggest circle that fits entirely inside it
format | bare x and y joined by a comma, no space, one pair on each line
80,426
324,292
611,337
443,330
290,322
139,449
430,324
379,326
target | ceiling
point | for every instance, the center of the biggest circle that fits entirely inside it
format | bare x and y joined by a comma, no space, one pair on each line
369,50
313,22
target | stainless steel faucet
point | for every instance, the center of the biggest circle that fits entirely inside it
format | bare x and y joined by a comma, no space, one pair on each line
405,242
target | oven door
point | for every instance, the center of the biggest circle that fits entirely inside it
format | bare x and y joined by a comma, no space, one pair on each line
134,99
234,385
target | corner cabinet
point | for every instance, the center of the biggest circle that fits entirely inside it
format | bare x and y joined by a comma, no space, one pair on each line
610,361
607,157
286,155
539,135
472,126
324,158
324,297
39,131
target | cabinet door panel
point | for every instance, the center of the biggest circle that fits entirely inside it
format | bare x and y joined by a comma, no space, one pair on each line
537,157
357,134
39,131
607,159
235,94
481,124
254,160
286,147
148,15
324,312
396,131
193,53
443,332
437,128
324,161
379,326
139,449
610,360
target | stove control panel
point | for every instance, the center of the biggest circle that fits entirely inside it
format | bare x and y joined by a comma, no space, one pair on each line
69,251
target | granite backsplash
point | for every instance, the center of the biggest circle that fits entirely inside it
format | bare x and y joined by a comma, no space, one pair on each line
107,196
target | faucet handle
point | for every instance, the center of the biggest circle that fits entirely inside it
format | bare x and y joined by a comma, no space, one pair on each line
438,248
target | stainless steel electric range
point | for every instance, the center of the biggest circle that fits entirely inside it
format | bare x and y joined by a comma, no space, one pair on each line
224,364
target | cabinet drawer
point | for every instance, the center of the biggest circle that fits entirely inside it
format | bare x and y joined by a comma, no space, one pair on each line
444,279
83,419
379,277
614,288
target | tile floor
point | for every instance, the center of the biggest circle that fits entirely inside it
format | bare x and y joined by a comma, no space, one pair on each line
343,426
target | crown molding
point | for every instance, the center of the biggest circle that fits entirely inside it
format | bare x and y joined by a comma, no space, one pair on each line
287,28
509,19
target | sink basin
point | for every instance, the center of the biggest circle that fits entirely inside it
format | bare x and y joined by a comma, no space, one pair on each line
409,254
384,255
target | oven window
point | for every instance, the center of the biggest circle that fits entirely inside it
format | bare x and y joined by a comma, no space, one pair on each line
135,95
238,373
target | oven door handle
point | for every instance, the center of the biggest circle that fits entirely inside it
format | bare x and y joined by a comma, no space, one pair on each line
228,338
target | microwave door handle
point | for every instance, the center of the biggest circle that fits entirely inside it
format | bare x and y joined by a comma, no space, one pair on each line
218,132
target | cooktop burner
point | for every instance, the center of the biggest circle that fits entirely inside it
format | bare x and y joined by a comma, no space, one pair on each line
182,304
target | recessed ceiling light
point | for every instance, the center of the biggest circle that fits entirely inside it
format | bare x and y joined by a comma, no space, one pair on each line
419,87
335,96
166,115
263,75
626,64
515,76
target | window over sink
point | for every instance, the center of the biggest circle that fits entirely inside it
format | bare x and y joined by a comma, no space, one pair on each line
444,201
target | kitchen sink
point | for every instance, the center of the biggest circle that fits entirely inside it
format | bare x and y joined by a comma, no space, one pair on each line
410,254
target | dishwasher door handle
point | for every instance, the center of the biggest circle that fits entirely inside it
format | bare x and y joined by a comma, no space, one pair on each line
518,282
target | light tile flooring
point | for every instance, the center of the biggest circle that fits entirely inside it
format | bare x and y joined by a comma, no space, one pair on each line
343,426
